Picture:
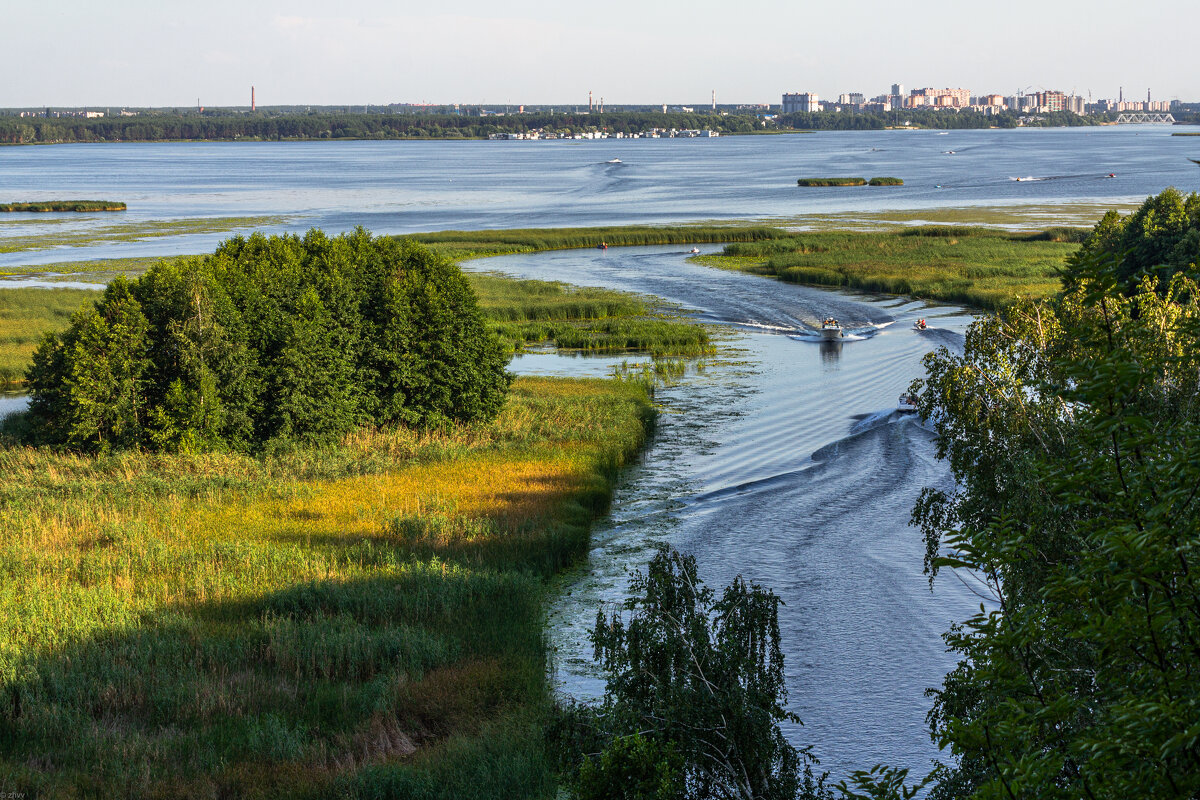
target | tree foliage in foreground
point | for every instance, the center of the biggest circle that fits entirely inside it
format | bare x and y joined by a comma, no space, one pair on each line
270,339
695,694
1073,429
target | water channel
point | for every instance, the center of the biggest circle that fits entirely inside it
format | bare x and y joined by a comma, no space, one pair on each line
786,461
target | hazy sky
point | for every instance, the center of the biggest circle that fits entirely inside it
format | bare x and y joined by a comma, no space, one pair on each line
168,53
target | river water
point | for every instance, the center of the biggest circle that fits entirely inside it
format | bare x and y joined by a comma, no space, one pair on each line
407,187
787,462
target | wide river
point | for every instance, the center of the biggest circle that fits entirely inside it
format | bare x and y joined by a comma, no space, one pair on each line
407,187
785,460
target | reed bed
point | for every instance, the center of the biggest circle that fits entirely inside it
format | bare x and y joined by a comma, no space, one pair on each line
361,620
25,316
976,266
472,244
584,318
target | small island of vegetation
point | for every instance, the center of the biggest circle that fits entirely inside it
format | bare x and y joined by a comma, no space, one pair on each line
831,182
64,205
886,182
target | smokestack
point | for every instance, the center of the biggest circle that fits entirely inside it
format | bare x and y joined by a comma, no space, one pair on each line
1120,94
714,99
589,101
252,106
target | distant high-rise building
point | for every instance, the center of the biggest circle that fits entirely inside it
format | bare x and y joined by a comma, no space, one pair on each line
897,90
804,101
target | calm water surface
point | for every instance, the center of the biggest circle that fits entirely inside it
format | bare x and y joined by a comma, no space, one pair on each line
406,187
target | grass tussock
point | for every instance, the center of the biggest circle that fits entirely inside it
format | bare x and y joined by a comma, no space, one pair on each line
346,619
951,263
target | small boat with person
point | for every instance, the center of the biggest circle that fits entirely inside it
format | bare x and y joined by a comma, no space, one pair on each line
694,251
830,329
920,325
907,404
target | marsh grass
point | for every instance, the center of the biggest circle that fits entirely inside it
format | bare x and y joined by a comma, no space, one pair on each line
362,619
959,264
131,231
584,318
471,244
25,316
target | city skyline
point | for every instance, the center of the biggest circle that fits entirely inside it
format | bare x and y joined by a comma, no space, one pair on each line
143,54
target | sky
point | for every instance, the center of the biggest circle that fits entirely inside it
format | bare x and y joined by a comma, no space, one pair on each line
167,53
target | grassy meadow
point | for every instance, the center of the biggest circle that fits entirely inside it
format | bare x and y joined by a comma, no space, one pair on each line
361,621
981,267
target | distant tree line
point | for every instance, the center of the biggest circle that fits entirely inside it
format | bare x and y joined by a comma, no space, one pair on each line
269,340
340,125
152,128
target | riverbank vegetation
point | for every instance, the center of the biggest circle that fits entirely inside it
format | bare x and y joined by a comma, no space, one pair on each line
468,244
573,318
360,619
64,205
1071,429
26,315
982,267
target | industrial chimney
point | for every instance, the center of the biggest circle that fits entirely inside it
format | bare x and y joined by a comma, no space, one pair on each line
252,98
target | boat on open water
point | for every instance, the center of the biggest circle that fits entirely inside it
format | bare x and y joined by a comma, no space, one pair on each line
831,329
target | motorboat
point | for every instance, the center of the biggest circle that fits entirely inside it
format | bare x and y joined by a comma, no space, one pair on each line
602,246
694,250
830,329
1111,175
907,404
920,325
613,161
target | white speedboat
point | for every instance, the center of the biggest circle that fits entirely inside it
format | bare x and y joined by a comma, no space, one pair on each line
907,404
613,161
830,329
694,250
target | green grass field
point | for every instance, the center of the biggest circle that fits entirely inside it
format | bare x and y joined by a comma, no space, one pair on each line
976,266
361,621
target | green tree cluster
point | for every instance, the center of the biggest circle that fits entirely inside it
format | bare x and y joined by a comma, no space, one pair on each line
695,695
1073,430
270,339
